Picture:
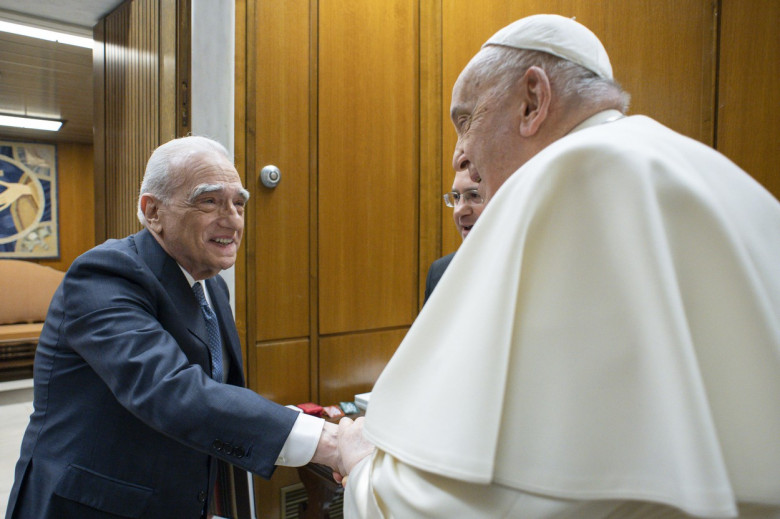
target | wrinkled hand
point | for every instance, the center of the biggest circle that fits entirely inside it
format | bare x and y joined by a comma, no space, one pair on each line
327,452
353,446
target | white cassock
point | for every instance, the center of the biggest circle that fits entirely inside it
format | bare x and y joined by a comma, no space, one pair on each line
606,343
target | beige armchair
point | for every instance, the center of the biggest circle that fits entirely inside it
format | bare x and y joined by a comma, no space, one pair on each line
26,290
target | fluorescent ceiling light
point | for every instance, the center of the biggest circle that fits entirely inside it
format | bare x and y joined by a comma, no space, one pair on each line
45,34
30,122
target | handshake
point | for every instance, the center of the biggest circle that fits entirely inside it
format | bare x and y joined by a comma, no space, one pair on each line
341,447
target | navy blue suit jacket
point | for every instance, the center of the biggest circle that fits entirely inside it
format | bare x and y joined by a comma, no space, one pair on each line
435,272
126,421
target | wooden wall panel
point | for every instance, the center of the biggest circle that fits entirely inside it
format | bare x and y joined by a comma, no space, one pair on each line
368,160
76,203
662,52
99,120
749,79
281,215
243,155
281,370
268,502
431,109
350,364
132,110
142,101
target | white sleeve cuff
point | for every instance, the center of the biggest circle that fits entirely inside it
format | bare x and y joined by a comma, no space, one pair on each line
298,449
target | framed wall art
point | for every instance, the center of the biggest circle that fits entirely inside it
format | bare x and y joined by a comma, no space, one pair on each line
28,200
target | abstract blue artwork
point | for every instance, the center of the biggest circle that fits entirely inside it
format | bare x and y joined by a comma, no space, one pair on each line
28,200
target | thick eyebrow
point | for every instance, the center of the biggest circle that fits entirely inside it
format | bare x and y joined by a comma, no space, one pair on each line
210,188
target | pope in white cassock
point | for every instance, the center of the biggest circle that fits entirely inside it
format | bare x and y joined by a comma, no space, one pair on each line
619,351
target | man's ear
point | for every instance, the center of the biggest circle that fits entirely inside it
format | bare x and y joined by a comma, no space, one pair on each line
150,207
536,94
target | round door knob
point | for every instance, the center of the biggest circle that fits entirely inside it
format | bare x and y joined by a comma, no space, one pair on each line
270,176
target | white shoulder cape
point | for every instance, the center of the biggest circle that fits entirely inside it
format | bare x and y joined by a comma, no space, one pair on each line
609,329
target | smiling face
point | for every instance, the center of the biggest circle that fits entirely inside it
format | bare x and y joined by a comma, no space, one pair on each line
466,211
202,223
487,118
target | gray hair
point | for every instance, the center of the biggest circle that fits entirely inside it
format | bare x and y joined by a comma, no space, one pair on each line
160,178
572,82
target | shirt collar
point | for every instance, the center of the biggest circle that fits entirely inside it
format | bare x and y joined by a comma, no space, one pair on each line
191,281
607,116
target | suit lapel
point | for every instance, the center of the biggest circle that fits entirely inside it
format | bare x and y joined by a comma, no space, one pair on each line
170,276
175,284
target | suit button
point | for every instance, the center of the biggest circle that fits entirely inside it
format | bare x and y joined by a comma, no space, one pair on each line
202,496
228,449
218,445
239,452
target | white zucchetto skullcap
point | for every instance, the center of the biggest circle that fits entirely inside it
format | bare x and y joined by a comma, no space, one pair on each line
559,36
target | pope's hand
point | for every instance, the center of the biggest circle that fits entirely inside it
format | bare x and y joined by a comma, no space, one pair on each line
353,446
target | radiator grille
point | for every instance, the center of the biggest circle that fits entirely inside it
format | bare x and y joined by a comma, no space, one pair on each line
294,495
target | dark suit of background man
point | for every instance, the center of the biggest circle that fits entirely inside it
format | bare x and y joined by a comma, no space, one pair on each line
467,204
129,410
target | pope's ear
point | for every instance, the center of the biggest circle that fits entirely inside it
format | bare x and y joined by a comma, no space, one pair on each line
536,93
150,207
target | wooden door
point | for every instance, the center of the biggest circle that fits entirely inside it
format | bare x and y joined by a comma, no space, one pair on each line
333,247
367,188
332,250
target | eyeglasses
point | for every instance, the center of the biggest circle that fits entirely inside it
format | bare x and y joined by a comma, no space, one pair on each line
471,197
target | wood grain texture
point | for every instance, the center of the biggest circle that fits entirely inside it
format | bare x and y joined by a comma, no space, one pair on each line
282,371
76,203
241,160
350,364
268,502
749,79
314,257
99,143
143,63
132,111
431,109
281,215
368,164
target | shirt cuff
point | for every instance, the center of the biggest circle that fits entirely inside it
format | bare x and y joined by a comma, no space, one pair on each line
298,449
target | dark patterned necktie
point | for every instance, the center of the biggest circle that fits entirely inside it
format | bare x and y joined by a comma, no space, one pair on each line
212,326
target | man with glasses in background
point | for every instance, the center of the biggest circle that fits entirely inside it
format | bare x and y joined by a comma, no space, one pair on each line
467,204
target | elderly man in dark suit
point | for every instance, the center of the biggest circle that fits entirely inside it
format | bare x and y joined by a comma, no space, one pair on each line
138,373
